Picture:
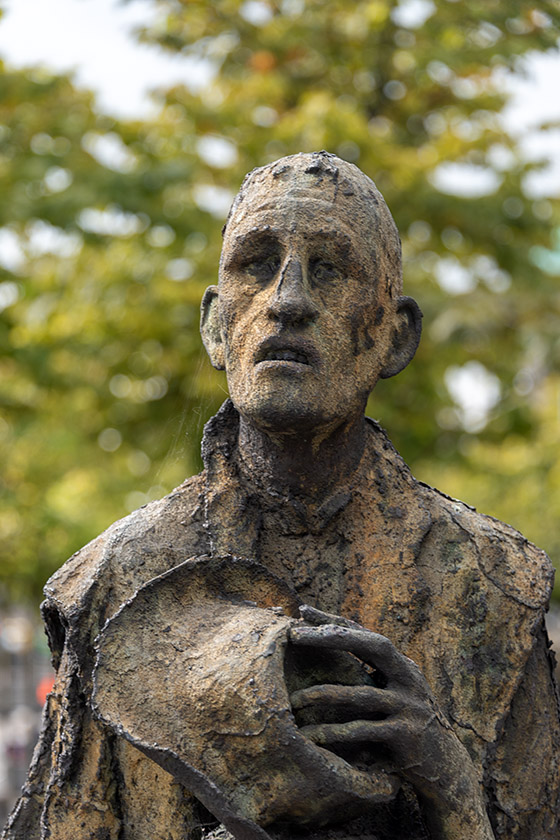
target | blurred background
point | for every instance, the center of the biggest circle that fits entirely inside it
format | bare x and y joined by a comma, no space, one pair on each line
110,213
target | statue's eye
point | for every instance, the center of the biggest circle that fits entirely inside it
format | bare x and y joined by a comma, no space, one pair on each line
263,268
322,271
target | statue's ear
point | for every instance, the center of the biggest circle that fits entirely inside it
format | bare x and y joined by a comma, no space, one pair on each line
405,339
210,327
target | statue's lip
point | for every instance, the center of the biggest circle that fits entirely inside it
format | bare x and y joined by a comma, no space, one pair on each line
289,350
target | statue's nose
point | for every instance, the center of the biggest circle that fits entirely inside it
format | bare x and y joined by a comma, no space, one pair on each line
291,301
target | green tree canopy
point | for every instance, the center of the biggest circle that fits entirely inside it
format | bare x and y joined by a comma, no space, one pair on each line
110,231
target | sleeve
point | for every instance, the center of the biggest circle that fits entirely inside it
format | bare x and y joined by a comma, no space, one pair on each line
86,782
68,784
524,780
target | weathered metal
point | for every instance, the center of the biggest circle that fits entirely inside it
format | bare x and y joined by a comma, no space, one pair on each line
302,641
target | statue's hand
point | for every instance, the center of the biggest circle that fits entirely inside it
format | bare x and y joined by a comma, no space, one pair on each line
403,716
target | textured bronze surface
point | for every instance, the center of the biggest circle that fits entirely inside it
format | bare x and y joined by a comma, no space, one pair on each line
303,641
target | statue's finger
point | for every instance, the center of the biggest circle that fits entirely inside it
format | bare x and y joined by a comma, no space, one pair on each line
354,699
318,617
372,648
354,732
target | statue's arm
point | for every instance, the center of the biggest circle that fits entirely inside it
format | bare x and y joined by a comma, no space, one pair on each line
55,751
24,822
63,713
61,756
525,772
404,717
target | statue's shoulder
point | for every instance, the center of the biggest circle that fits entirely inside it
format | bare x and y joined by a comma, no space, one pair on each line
459,536
146,543
512,563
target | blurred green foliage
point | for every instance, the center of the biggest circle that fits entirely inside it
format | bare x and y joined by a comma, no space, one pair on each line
110,230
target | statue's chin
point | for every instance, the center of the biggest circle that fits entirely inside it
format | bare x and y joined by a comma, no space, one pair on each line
303,409
282,417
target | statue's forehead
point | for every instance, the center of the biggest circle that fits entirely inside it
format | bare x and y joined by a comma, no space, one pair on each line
291,210
299,182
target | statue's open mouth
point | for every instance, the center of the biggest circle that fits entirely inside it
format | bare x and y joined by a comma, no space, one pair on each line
277,349
285,356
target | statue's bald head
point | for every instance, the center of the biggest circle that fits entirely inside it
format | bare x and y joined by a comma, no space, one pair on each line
325,177
308,313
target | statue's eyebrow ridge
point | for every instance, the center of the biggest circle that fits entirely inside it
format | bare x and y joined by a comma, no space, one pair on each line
269,232
257,232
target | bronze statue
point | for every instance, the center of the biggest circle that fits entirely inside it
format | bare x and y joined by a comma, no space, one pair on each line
303,641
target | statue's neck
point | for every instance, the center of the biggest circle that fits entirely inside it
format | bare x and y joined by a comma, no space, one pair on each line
309,465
